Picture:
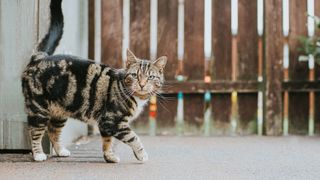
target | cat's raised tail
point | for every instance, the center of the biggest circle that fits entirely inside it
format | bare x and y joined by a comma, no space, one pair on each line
49,43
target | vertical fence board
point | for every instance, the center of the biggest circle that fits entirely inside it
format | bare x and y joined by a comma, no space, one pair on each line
166,113
139,44
194,59
298,20
193,113
167,45
140,28
273,58
298,113
194,39
221,40
247,63
247,116
111,32
298,102
167,35
247,40
221,106
91,28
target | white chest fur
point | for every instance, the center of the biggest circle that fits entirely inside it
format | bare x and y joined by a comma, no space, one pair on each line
140,105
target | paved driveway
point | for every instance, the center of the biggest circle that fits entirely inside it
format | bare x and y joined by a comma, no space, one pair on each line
181,158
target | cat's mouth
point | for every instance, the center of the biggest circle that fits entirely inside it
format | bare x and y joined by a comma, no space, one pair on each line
142,92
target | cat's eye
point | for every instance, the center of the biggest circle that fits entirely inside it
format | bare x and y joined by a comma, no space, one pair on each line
151,77
134,75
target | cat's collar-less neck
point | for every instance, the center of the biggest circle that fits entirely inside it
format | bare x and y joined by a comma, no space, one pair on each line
142,97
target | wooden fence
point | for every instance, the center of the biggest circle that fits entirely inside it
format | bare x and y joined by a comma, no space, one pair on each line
225,65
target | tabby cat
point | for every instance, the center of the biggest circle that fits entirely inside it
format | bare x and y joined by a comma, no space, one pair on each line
57,87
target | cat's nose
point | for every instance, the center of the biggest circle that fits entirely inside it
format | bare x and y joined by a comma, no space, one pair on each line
141,86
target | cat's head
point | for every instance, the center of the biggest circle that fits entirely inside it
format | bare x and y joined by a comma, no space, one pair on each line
144,77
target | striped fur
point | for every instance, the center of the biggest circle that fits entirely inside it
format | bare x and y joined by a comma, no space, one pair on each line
57,87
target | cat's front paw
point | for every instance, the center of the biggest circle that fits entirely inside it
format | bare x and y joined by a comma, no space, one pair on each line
141,155
64,152
40,157
111,158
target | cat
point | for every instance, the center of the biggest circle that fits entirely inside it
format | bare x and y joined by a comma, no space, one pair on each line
57,87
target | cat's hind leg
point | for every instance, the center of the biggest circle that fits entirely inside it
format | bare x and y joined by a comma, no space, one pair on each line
37,126
55,126
109,156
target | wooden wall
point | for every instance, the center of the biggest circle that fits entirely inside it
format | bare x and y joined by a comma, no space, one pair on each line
221,86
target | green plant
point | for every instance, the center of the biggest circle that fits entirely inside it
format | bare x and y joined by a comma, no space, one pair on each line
311,45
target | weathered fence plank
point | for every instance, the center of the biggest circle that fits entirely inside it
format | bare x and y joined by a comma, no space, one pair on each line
221,105
221,39
193,113
194,40
91,29
166,114
273,58
298,113
247,40
247,63
298,27
167,35
140,28
194,59
298,102
111,32
140,43
167,45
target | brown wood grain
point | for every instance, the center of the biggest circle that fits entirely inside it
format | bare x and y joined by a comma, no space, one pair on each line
247,113
194,41
298,113
167,35
221,110
298,102
141,124
215,87
298,20
247,40
166,113
139,43
111,32
301,86
193,63
193,113
140,28
91,28
247,64
221,40
273,58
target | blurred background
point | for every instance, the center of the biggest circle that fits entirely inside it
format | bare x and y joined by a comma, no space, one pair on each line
235,67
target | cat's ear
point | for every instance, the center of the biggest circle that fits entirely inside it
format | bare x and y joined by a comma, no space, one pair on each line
160,62
131,58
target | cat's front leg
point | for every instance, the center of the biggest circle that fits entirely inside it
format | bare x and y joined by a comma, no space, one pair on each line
129,137
108,154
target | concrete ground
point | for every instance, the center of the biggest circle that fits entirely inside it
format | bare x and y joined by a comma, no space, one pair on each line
180,158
